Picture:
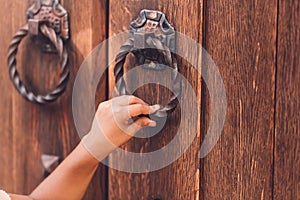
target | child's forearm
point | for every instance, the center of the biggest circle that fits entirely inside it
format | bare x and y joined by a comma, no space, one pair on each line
70,180
111,128
19,197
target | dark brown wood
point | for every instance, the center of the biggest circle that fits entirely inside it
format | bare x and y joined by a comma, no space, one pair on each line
241,38
6,157
287,132
179,180
30,130
257,156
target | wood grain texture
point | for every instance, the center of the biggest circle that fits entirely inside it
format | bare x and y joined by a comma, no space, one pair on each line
6,101
287,132
179,180
257,156
31,130
241,38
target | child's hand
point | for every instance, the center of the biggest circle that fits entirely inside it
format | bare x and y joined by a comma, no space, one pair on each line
112,125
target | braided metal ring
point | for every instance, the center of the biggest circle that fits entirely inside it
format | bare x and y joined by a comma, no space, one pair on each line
170,60
12,63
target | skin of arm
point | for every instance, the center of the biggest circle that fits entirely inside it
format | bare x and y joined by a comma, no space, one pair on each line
72,177
69,180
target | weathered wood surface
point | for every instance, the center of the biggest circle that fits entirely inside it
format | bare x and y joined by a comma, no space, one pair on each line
255,45
29,130
241,38
179,180
287,129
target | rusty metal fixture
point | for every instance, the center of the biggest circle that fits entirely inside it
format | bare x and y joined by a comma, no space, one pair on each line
50,162
152,41
51,20
51,13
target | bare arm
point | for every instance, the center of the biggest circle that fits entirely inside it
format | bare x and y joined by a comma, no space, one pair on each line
72,177
69,181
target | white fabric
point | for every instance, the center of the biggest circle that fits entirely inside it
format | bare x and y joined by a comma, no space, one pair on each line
4,195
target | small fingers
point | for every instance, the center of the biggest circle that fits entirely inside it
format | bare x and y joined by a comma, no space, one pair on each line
136,100
128,100
140,123
139,109
144,121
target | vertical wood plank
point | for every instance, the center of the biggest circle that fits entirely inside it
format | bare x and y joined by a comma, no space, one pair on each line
18,143
179,180
89,29
32,130
5,102
287,129
241,38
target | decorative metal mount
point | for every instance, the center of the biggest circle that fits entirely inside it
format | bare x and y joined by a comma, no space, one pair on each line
49,18
152,41
152,24
51,13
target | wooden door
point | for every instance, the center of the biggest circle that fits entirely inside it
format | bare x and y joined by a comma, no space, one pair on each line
254,44
180,180
29,130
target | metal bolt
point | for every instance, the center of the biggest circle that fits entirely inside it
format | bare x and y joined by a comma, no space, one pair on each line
153,15
50,162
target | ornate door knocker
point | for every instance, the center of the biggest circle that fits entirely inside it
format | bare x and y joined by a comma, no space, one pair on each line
51,19
152,41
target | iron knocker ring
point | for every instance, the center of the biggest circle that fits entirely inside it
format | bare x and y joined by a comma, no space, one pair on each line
170,60
14,75
151,31
51,20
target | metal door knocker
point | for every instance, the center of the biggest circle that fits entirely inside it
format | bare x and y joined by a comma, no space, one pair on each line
51,19
152,41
